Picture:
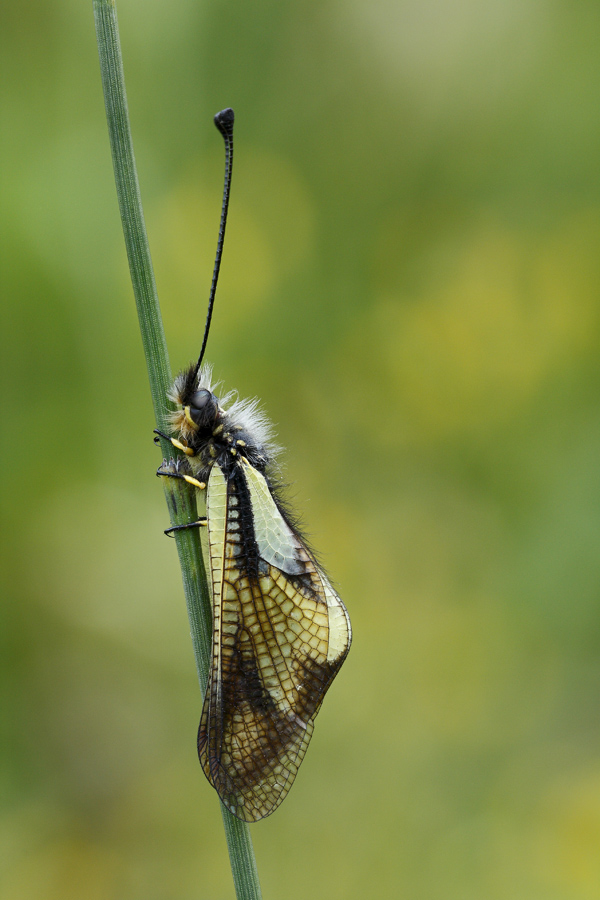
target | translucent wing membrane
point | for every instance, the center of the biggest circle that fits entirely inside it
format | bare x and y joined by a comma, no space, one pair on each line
280,634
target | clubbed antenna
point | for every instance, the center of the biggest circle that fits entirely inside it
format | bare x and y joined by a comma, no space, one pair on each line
224,122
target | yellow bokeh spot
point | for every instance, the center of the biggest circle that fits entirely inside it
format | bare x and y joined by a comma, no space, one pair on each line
65,868
478,342
270,233
568,837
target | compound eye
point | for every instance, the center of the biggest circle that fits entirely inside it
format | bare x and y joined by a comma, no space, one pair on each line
200,399
203,407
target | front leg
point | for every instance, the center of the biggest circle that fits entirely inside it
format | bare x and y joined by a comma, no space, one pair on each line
176,443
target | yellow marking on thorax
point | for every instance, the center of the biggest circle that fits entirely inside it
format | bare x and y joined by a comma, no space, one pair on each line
188,417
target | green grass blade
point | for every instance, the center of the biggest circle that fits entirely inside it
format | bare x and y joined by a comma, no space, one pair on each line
180,497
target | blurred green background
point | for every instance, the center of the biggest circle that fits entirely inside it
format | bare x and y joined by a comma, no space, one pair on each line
411,286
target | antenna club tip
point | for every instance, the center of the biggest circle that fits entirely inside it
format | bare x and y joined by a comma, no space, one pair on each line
224,121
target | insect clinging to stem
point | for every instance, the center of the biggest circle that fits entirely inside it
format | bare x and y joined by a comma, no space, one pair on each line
280,631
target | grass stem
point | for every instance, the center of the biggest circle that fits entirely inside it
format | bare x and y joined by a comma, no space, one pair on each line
181,499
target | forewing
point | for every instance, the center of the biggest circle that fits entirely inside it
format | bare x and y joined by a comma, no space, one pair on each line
278,640
279,545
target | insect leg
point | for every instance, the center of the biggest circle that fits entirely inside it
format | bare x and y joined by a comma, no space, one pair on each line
183,447
201,522
189,478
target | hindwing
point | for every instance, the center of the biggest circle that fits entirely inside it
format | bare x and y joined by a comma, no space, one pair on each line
280,634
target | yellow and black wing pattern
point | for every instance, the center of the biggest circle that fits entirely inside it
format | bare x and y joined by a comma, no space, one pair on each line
280,635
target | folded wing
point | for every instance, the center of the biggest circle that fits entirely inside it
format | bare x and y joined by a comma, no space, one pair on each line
280,634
